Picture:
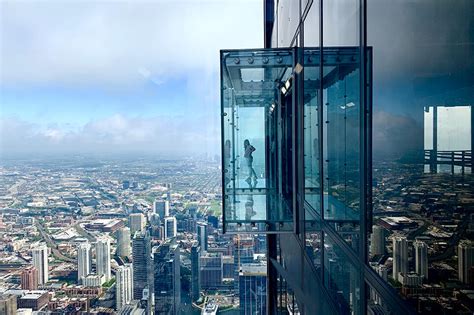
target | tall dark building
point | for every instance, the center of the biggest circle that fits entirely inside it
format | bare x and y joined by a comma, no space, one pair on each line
253,289
195,271
201,229
141,254
167,278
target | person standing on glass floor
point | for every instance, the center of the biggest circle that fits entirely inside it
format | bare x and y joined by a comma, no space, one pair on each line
249,149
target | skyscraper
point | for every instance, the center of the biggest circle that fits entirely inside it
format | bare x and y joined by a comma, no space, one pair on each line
137,222
40,261
211,274
103,257
124,286
465,261
400,256
170,227
195,271
123,242
377,240
162,208
253,289
29,278
201,229
83,261
167,278
141,251
421,258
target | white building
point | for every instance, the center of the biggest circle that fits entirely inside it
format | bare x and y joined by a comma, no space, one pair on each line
170,227
93,280
124,286
421,258
123,242
103,257
400,256
137,222
377,240
83,261
40,261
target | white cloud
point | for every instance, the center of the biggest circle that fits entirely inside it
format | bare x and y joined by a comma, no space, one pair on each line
107,42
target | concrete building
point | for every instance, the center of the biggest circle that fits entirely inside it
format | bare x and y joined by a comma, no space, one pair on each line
400,256
8,304
465,261
124,286
103,258
123,242
93,280
421,259
40,261
137,222
84,259
377,241
35,300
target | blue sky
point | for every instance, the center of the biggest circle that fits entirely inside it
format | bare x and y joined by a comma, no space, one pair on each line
117,76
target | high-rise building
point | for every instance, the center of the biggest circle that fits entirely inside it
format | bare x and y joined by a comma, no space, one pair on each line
211,273
195,271
29,278
400,256
421,258
377,241
201,229
167,278
466,261
170,227
243,253
103,258
84,258
162,208
8,304
141,252
137,222
40,261
253,289
123,242
124,286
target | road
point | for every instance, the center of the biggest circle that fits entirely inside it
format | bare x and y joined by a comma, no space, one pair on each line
51,244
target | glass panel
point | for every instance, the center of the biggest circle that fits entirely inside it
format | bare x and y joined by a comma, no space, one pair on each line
288,20
341,279
253,121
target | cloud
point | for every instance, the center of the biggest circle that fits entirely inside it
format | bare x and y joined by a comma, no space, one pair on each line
120,42
114,134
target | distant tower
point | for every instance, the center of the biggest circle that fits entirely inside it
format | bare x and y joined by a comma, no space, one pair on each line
170,227
400,256
103,258
124,286
137,222
162,208
201,229
40,261
168,193
123,242
167,275
141,252
29,278
83,261
195,272
421,258
465,260
377,241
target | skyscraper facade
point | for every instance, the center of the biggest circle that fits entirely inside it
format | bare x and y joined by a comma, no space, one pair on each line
141,251
167,279
201,229
171,227
29,278
211,271
377,240
253,289
84,259
137,222
103,258
40,262
400,256
195,271
162,208
466,261
124,286
421,258
123,242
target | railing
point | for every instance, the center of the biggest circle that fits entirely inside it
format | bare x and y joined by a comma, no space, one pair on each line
461,158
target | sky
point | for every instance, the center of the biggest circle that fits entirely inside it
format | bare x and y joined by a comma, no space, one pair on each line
117,76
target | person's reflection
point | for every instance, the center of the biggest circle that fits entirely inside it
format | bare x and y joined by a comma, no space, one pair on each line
249,149
227,169
249,212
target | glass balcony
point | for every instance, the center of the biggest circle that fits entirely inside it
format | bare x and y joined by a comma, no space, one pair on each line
265,99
